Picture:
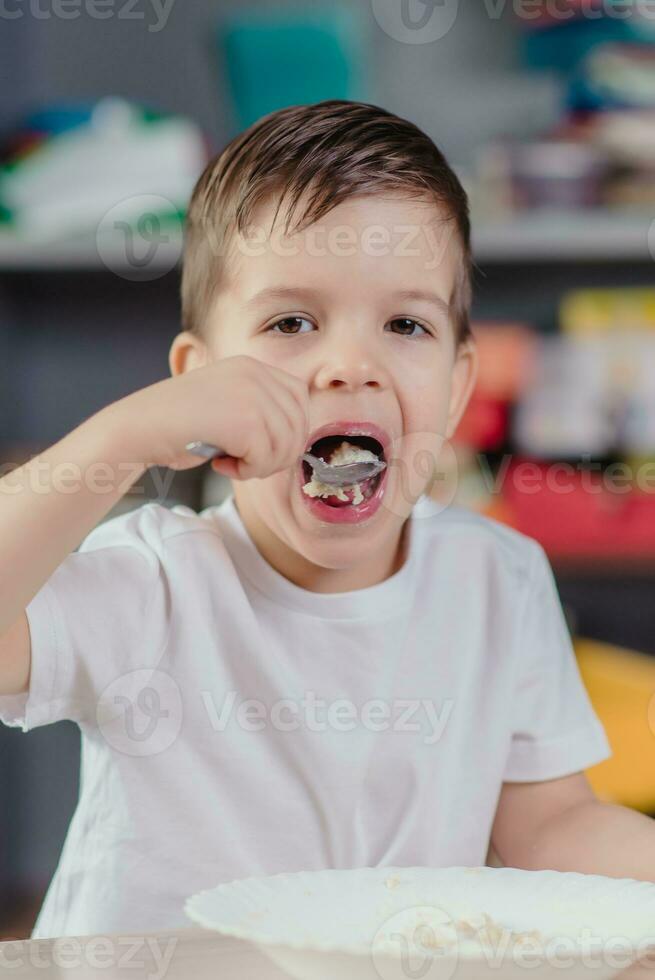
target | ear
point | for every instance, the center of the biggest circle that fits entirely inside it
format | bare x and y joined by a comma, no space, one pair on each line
463,378
187,352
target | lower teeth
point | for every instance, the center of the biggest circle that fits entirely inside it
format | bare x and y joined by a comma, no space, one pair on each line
354,495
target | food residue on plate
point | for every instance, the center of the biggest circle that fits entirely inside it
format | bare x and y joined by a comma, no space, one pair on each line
426,929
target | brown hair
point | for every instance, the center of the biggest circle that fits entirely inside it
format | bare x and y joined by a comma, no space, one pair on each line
333,149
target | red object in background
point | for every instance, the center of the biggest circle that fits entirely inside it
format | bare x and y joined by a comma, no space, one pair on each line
578,514
484,424
506,358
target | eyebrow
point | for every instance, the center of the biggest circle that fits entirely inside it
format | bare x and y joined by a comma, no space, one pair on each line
302,292
424,296
282,293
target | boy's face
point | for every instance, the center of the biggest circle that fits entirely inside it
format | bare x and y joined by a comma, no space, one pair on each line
365,324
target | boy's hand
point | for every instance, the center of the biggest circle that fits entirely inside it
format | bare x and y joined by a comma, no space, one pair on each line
256,413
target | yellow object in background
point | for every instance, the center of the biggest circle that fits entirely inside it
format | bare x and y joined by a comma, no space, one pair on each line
621,685
598,311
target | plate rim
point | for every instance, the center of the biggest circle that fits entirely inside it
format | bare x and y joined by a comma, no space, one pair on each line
262,939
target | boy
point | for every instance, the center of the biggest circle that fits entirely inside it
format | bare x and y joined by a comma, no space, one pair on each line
299,679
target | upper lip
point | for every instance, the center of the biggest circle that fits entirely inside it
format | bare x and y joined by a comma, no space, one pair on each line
350,428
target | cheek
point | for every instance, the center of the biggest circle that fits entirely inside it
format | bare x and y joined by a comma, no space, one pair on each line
426,400
288,353
231,345
274,488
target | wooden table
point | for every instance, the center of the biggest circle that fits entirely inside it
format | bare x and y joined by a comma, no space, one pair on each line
180,954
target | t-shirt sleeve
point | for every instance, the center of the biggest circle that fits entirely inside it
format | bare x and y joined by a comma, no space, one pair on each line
554,728
101,614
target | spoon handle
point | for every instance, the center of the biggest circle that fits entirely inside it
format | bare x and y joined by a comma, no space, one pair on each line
204,449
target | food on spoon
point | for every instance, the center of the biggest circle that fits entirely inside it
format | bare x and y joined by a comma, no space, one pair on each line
343,454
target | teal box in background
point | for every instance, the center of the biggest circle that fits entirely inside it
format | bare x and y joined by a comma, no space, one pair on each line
563,46
293,58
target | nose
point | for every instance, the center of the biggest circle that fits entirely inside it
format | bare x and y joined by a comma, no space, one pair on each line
349,360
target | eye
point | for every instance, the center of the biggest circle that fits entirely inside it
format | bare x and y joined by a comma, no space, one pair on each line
406,326
288,325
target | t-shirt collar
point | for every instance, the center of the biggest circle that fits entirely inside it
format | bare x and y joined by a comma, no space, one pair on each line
380,600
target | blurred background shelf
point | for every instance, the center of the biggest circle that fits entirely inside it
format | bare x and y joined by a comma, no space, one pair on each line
577,566
542,236
81,254
534,236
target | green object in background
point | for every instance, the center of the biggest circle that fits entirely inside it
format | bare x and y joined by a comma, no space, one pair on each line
292,58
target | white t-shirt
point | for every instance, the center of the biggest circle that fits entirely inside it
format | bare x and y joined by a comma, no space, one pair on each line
235,724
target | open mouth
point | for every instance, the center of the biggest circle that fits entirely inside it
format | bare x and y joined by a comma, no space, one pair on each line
340,449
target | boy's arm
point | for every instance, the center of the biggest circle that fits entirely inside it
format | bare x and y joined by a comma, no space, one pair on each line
257,413
47,507
15,658
560,824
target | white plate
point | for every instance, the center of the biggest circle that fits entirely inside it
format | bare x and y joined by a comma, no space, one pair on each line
405,923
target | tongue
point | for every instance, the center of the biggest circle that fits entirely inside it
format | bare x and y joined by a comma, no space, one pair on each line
333,501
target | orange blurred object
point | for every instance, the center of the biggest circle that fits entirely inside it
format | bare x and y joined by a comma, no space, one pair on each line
621,686
507,355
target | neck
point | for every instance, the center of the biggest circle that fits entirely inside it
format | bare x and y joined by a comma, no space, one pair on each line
315,578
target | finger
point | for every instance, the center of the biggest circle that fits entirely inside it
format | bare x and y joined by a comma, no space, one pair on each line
290,426
226,466
257,461
297,391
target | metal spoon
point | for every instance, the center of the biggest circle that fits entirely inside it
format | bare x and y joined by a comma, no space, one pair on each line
344,475
335,476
